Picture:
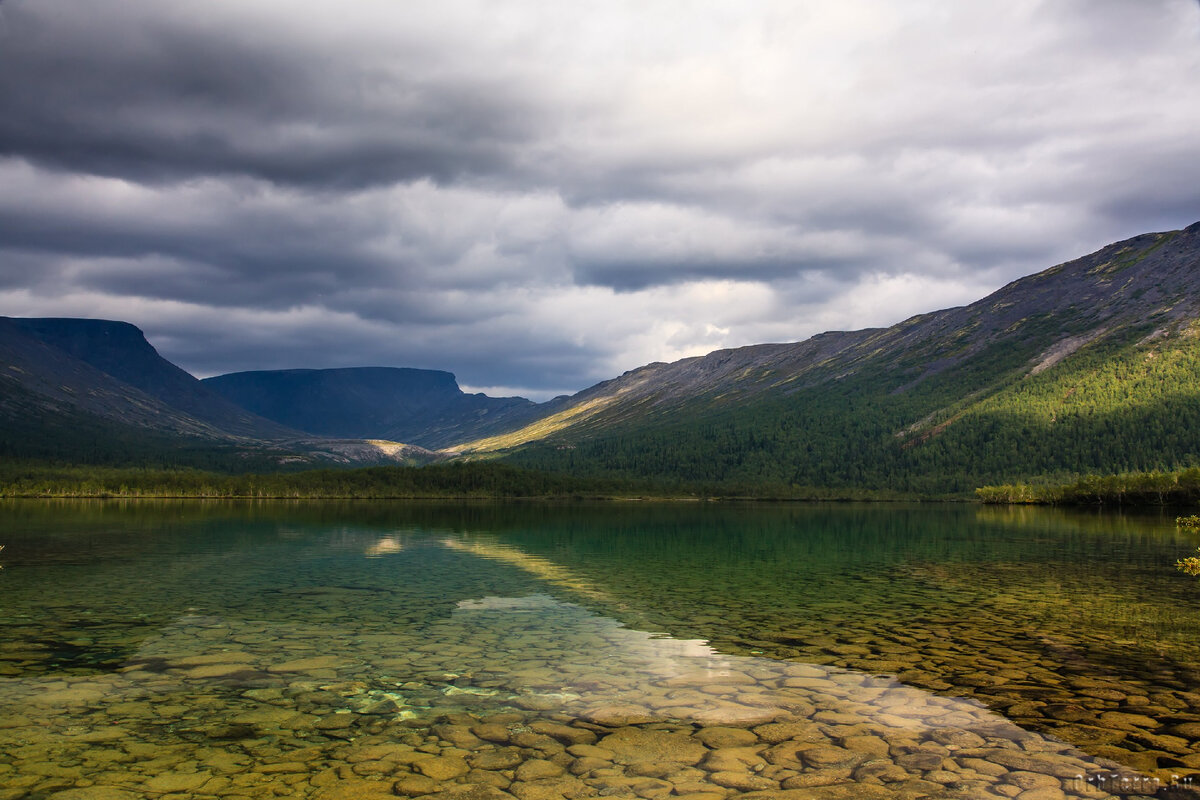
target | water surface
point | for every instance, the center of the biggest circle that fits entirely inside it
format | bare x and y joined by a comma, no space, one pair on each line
632,650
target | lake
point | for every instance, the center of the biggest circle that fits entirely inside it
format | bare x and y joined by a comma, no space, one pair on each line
543,651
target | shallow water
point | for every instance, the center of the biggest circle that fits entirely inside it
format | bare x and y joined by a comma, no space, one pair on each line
358,650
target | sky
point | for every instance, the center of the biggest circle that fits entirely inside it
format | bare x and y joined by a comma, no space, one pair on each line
539,195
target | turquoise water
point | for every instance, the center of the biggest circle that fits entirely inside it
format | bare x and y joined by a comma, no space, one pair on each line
632,650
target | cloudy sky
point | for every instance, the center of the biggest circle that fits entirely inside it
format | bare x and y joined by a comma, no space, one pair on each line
540,195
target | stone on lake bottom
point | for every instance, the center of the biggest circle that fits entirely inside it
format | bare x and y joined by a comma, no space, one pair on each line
536,768
634,745
95,793
442,768
356,790
471,791
306,664
169,782
718,737
415,785
846,791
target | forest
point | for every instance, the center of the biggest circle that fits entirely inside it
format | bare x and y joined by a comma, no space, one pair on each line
1179,488
443,481
478,479
1121,405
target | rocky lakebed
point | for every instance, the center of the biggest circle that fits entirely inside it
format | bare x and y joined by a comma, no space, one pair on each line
456,666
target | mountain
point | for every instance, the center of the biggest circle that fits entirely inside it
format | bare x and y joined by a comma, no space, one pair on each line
120,351
55,405
1089,366
96,391
423,407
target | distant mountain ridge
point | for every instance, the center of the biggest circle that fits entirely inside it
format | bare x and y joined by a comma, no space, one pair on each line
421,407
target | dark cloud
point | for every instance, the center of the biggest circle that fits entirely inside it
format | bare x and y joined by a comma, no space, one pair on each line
124,89
543,195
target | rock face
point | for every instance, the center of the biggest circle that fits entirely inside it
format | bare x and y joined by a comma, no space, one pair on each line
423,407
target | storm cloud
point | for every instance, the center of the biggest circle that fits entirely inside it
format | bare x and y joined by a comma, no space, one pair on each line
538,196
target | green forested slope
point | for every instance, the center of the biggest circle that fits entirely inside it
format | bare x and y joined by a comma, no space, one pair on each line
1089,367
1112,407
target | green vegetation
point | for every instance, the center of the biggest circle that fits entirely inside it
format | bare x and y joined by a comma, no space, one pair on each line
1128,489
1191,564
901,429
455,480
1086,369
1118,404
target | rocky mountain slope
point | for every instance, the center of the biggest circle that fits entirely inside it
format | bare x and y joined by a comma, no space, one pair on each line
1110,338
121,355
423,407
96,390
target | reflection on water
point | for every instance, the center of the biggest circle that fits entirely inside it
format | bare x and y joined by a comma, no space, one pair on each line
385,546
363,650
541,568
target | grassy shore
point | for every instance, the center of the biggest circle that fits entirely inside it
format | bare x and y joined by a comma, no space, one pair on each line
1179,488
448,481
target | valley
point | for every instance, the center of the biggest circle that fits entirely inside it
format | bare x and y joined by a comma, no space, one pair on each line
1088,367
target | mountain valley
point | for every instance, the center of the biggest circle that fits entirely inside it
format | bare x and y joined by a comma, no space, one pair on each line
1091,366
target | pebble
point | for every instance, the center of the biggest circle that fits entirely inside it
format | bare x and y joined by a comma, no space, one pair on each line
536,769
719,737
415,785
306,664
631,745
95,793
442,768
176,782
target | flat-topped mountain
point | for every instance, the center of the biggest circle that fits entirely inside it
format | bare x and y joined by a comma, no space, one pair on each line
423,407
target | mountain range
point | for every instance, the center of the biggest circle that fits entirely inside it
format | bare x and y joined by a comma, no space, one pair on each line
1089,366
